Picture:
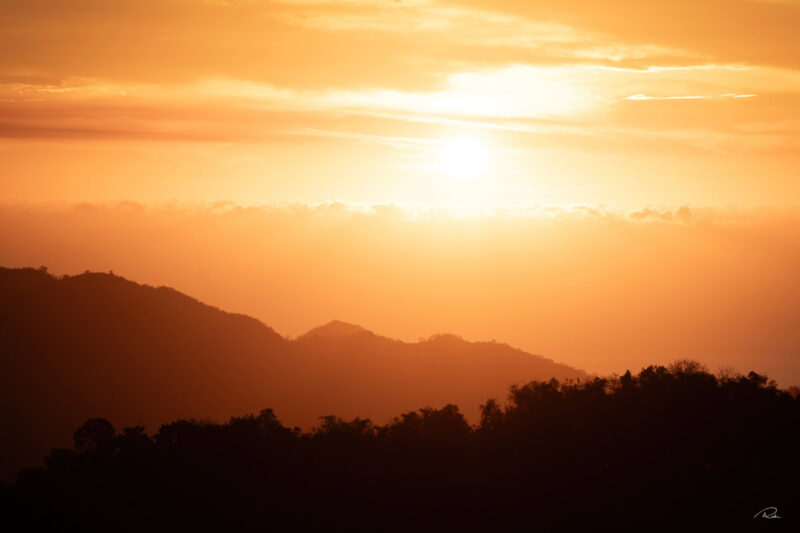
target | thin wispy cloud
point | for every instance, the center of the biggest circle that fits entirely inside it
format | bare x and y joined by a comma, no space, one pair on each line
560,91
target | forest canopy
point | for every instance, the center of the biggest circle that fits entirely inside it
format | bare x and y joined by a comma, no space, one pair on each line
674,442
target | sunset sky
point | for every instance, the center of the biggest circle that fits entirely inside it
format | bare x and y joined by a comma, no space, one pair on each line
616,103
587,180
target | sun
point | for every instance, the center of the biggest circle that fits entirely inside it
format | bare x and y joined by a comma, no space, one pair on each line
465,159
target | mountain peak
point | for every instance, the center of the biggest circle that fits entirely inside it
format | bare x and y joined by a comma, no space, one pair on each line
333,330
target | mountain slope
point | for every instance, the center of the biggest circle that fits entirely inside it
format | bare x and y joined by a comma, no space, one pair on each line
369,375
333,330
99,345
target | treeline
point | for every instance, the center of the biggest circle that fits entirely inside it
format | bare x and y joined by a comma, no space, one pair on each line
664,448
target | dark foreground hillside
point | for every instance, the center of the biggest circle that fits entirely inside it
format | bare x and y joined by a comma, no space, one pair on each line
667,449
97,344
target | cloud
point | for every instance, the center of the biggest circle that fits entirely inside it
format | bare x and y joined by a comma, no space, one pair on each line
339,208
645,97
397,45
400,142
565,101
577,101
288,44
682,214
743,31
694,97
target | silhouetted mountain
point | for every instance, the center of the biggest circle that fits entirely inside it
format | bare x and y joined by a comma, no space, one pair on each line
99,345
367,375
334,330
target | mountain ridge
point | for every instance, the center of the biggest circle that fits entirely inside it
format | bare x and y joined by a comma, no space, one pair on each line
334,329
97,344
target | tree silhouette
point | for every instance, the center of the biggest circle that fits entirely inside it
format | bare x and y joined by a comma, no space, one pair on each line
95,435
671,447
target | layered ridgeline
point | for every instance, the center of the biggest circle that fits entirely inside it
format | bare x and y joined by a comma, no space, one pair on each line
98,345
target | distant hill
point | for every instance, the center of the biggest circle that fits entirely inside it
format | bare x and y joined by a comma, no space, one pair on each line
98,345
333,330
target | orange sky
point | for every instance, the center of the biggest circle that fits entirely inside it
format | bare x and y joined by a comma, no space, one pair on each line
622,112
261,101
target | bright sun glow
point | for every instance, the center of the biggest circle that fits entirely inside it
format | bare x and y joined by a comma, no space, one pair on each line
465,159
